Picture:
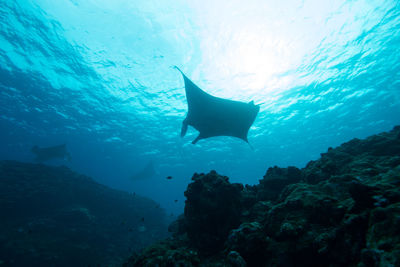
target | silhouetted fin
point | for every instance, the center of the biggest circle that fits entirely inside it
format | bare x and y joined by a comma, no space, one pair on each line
197,139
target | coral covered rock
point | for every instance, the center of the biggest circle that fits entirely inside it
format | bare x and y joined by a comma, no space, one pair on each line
340,210
275,180
249,242
166,253
212,209
364,158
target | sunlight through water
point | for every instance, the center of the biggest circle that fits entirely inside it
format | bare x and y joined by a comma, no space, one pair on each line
98,75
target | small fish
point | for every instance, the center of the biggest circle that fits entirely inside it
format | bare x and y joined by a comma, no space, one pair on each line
169,177
175,200
142,219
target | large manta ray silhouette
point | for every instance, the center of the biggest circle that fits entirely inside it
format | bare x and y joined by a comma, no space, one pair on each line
214,116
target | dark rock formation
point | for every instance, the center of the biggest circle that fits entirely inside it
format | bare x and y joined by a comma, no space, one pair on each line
171,252
340,210
212,209
275,180
51,216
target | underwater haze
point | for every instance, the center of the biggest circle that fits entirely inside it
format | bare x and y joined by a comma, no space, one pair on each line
98,76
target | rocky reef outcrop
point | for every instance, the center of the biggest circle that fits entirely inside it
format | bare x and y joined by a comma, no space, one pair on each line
340,210
52,216
219,203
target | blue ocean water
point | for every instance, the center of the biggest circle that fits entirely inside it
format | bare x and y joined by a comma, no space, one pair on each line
98,75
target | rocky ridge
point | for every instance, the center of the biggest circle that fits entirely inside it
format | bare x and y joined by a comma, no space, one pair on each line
52,216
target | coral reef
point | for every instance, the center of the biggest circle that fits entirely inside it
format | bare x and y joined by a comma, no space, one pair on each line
51,216
340,210
219,203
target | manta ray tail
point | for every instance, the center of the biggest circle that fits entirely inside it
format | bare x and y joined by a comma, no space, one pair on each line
247,141
252,148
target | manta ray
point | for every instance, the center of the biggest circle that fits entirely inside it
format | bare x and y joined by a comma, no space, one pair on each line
146,173
52,152
214,116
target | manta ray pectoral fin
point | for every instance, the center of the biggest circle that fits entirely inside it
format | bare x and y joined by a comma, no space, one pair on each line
175,67
197,139
184,128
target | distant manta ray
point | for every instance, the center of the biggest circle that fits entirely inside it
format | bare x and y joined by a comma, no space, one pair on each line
52,152
214,116
146,173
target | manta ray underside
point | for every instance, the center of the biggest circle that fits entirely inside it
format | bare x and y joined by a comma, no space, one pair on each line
214,116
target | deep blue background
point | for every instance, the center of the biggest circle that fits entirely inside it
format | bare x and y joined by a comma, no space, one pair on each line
98,76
